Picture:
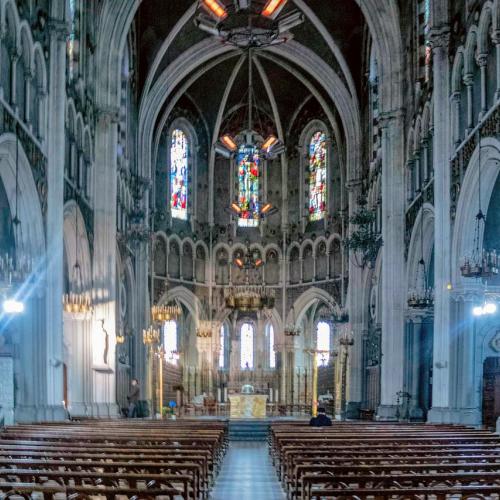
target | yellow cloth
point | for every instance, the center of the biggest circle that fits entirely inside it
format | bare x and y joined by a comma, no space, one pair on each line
248,405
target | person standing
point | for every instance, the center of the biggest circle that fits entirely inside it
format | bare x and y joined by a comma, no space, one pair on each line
133,398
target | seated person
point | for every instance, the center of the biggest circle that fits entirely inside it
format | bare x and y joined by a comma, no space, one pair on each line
321,420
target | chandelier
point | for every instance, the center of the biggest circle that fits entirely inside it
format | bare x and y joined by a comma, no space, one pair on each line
291,329
151,335
422,295
249,298
77,301
14,269
249,260
247,23
166,312
480,264
15,266
206,328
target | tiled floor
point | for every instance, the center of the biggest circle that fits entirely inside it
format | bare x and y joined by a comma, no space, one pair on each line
247,474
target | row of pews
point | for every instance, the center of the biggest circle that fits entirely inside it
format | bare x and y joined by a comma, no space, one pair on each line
386,461
112,459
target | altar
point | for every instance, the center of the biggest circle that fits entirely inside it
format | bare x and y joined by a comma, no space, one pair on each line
248,405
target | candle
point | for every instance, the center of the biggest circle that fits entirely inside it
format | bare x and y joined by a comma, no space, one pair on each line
218,395
270,394
225,394
276,396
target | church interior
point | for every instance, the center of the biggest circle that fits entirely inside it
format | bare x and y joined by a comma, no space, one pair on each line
220,219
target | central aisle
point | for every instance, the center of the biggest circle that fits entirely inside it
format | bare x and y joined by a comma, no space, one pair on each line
247,474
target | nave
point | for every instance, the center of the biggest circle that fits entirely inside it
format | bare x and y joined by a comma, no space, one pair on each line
247,473
196,460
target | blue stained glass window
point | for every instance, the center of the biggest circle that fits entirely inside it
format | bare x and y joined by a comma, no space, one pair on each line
317,176
179,151
247,346
248,185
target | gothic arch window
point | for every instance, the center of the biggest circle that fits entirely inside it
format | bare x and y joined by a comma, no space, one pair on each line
271,341
424,46
248,185
323,341
170,338
247,346
72,44
317,171
179,174
223,347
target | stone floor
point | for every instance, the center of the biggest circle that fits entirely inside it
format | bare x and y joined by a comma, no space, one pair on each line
247,474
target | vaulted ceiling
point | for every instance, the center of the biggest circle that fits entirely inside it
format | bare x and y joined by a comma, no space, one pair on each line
166,30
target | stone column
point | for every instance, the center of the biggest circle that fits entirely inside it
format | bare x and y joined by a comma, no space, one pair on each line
78,359
104,269
482,62
496,40
442,228
415,335
356,303
393,265
469,84
55,219
456,99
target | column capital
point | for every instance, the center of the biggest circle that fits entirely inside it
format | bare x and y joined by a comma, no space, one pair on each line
387,118
59,29
456,97
353,184
468,79
440,37
108,114
495,37
482,60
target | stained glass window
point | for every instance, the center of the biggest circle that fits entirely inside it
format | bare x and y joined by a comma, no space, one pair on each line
323,342
222,355
317,176
72,42
246,346
248,186
170,339
179,151
428,49
272,352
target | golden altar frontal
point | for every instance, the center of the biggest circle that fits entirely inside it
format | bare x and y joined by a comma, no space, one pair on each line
248,405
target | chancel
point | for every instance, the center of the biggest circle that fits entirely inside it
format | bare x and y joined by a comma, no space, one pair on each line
218,217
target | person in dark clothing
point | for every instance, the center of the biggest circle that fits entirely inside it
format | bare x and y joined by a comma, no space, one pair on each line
321,420
133,398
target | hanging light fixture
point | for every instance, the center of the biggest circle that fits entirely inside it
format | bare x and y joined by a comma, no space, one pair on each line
245,23
15,266
249,260
422,295
480,264
166,312
77,301
151,336
206,328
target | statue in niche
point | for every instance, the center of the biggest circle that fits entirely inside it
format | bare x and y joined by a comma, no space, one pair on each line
106,343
